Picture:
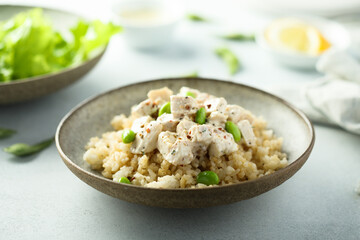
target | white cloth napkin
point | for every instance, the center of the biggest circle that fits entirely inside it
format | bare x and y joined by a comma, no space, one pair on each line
334,98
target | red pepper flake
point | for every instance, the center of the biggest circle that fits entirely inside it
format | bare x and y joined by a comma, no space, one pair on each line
132,178
181,165
208,106
147,103
220,129
187,107
148,130
224,137
188,136
189,132
180,138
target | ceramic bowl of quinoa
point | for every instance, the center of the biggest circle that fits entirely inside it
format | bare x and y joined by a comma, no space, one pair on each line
184,143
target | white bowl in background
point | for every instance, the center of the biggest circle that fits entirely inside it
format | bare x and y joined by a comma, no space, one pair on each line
148,24
333,32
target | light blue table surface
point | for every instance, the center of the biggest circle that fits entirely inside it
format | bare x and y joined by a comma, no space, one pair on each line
41,199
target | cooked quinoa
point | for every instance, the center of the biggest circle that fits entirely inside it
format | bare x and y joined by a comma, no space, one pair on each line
170,150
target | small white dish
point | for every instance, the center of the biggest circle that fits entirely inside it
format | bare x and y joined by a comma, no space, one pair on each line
334,32
148,24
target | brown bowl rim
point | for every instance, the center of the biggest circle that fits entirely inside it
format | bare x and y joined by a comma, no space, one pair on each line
263,178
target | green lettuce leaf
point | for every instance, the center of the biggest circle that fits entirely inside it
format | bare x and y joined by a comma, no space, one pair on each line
30,46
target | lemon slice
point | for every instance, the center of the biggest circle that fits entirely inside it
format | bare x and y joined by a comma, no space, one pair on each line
324,44
296,35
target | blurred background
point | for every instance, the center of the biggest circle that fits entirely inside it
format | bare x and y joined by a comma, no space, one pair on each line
285,47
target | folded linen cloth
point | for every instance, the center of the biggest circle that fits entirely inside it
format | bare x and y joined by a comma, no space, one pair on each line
333,99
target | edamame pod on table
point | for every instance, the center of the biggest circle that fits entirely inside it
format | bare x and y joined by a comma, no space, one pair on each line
196,18
191,75
239,37
229,58
22,149
4,132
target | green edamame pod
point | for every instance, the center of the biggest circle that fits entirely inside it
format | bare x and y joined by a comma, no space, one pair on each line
22,149
196,18
229,58
4,132
239,37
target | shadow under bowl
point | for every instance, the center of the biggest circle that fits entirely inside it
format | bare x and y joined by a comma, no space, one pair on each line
92,118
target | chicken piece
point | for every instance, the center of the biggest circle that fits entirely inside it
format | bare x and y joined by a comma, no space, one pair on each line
165,141
201,134
202,97
215,105
145,108
183,106
140,123
184,126
217,119
222,143
160,96
247,132
146,138
175,150
236,113
168,122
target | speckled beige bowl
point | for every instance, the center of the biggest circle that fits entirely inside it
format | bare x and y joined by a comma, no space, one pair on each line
93,116
34,87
